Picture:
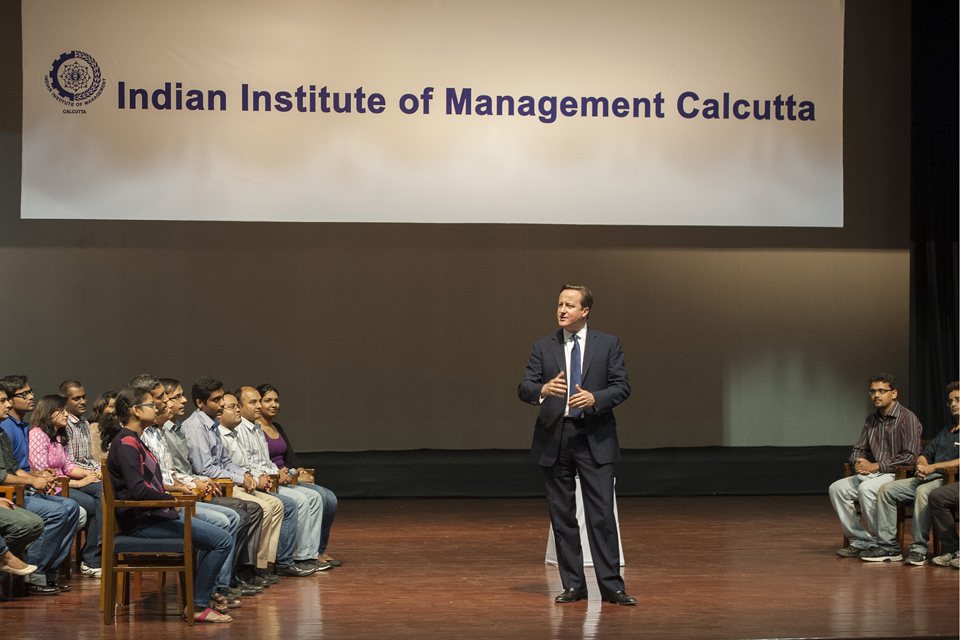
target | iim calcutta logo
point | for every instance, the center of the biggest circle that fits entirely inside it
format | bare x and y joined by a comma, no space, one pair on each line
75,80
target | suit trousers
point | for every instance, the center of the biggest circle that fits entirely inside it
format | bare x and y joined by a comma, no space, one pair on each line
251,525
596,482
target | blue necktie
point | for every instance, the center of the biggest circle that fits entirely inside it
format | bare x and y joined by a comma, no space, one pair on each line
575,374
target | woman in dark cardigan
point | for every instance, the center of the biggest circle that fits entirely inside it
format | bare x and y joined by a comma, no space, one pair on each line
283,455
136,475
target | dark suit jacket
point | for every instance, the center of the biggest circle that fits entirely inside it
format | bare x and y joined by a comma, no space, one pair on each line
604,375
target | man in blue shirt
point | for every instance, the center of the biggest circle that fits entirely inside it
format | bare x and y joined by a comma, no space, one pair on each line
942,452
16,427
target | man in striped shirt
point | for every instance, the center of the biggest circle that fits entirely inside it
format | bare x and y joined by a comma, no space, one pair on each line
890,437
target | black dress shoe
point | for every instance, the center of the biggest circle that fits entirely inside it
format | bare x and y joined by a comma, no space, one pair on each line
42,589
62,586
621,597
267,577
571,595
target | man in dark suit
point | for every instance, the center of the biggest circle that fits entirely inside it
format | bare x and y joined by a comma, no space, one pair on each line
577,376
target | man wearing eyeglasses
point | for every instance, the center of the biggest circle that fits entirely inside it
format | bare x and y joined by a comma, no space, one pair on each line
940,454
16,427
890,437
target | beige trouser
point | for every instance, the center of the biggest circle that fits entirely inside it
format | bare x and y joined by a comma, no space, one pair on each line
272,519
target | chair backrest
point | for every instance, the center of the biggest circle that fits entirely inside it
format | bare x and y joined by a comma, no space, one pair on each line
108,498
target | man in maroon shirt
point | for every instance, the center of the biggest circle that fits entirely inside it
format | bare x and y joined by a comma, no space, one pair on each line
890,437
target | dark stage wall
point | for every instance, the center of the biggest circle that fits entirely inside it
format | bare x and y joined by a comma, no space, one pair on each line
395,338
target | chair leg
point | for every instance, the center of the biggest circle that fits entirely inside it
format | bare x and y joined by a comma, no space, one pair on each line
108,593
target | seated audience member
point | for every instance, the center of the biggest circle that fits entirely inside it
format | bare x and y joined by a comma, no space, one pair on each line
15,425
941,453
178,462
230,425
103,404
60,516
209,458
890,437
943,505
19,529
48,437
309,505
219,516
283,456
136,476
80,448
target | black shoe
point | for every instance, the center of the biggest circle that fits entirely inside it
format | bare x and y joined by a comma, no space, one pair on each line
333,563
245,588
249,578
267,577
621,597
571,595
62,586
849,551
293,571
42,589
316,565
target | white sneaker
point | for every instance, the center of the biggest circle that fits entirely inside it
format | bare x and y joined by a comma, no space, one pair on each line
945,559
90,572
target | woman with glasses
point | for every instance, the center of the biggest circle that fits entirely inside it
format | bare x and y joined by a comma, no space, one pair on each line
49,454
136,475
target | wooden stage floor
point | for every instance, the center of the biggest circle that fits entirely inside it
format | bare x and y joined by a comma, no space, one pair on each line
711,567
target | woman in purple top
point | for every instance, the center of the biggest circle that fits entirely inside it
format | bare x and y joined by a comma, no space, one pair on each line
283,455
136,475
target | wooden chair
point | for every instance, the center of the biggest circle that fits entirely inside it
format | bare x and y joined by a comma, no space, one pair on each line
226,486
296,478
129,554
12,494
848,471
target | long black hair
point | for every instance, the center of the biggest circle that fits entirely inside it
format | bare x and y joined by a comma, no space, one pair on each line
101,403
111,423
43,417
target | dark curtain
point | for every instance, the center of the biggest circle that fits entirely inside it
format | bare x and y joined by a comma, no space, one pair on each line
934,210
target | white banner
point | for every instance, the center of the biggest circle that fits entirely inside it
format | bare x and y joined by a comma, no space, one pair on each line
665,112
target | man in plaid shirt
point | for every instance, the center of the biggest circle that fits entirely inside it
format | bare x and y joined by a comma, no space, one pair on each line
78,431
78,428
890,437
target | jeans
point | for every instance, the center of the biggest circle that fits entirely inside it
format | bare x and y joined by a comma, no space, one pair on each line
60,519
901,490
865,488
288,531
329,501
88,498
229,521
214,544
309,521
